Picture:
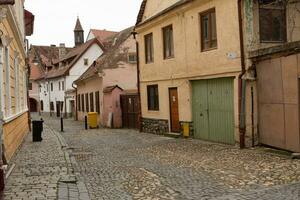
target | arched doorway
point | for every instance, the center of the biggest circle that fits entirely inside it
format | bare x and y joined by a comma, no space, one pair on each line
33,105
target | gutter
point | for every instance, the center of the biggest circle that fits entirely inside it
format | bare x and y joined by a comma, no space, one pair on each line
242,82
138,80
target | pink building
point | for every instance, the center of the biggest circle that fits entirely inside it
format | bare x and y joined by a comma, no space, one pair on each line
112,75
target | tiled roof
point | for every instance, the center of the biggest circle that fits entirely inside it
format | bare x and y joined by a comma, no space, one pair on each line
141,12
111,57
75,54
78,26
102,34
4,2
109,89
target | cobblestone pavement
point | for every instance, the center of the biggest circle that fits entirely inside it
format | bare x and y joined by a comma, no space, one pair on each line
125,164
43,170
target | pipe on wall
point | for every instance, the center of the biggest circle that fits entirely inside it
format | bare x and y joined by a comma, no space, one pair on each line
242,83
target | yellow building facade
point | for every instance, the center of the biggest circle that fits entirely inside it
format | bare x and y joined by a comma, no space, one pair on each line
193,76
13,77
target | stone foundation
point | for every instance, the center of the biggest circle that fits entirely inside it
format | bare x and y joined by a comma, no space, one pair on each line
155,126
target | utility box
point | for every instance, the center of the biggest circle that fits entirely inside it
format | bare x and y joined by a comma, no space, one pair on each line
186,130
37,129
93,120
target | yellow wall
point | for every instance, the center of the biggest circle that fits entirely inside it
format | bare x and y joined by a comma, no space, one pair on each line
189,62
16,124
14,133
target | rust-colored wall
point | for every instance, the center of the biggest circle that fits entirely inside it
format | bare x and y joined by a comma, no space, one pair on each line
278,96
14,133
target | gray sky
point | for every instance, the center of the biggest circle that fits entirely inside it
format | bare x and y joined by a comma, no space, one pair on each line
55,19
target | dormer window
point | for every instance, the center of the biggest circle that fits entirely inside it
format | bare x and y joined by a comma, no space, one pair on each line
86,61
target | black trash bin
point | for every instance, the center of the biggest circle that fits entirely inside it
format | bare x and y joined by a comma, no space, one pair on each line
37,129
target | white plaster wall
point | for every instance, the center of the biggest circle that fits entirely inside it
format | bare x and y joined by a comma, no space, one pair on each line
90,36
79,68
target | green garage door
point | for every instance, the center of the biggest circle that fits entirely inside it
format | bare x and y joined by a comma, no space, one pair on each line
213,110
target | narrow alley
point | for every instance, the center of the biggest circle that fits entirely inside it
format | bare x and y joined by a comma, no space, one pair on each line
125,164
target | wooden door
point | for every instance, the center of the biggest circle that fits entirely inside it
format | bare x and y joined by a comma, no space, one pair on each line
174,111
58,109
130,111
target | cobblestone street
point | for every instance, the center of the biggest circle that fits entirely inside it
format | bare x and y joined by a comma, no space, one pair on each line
125,164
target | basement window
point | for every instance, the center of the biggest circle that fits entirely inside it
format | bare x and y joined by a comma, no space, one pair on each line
272,21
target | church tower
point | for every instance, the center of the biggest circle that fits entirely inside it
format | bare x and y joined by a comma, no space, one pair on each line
78,33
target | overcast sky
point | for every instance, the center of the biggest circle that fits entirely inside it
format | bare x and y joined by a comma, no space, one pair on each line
55,19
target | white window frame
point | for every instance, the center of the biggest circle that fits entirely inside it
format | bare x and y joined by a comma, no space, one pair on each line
17,87
7,81
2,100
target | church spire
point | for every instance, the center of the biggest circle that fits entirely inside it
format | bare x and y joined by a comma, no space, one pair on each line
78,33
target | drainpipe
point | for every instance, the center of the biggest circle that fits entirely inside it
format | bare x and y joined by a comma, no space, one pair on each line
76,103
242,82
138,80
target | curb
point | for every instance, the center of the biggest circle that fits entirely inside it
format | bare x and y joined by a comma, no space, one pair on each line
71,163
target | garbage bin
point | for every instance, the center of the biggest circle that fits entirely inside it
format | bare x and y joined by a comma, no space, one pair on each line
92,120
186,130
37,129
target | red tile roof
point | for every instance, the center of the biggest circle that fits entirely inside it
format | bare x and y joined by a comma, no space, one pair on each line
102,34
111,57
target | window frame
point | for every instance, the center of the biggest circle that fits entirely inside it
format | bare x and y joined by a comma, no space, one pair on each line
155,106
97,100
92,102
284,31
78,103
82,103
202,40
87,105
149,50
168,42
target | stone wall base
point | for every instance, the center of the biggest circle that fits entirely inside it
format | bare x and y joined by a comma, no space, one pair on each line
155,126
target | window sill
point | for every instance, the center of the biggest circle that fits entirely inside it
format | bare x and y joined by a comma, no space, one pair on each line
13,117
209,49
169,58
153,111
273,42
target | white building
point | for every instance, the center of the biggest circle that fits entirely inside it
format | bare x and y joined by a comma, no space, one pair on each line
65,65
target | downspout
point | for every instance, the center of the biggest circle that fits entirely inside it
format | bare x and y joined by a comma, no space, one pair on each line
138,80
76,102
242,82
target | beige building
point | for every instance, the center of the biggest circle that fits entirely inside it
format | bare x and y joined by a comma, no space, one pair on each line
113,74
190,63
13,77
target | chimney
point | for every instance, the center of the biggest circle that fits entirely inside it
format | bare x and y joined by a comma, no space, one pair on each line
62,52
53,45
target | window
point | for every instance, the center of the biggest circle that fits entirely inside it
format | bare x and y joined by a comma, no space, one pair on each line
272,21
82,102
51,87
168,42
91,102
153,101
149,48
42,105
78,102
51,106
61,105
132,58
7,81
208,30
30,86
17,92
59,85
63,86
87,102
86,61
97,96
